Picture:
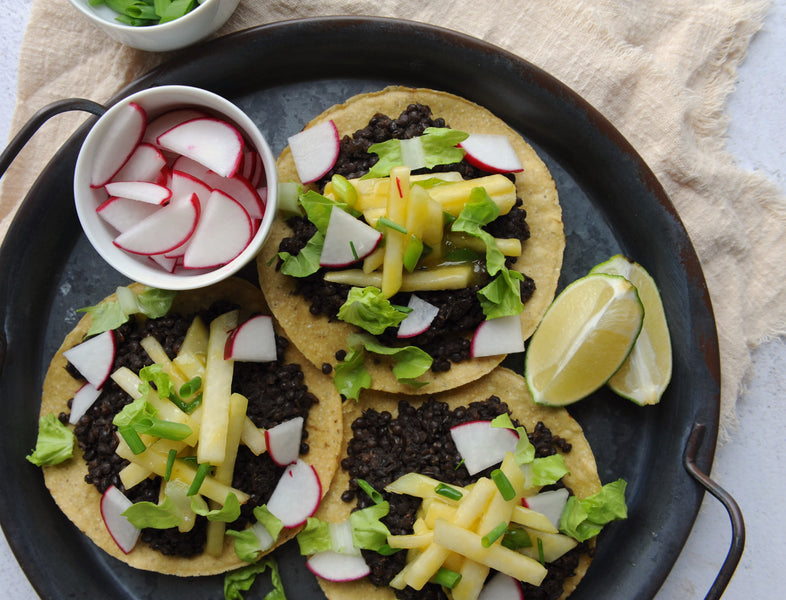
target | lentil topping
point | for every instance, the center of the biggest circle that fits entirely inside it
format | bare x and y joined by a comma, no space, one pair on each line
275,391
459,310
384,448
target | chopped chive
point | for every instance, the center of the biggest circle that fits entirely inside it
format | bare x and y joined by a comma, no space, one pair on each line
446,578
170,462
375,496
132,438
354,251
503,484
191,460
168,430
541,556
201,473
186,407
385,222
458,466
448,492
516,538
190,387
493,535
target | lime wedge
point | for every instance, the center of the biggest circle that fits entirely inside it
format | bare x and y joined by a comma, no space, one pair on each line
643,377
584,337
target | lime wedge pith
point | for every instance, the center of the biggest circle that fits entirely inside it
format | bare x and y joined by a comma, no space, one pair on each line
643,377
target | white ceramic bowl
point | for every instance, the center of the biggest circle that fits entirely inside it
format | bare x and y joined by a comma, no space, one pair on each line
188,29
157,101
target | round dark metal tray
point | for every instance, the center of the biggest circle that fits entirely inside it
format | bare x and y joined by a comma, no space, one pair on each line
282,75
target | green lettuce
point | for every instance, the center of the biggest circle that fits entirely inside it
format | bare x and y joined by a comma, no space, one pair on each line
502,296
140,417
226,514
242,579
438,148
350,376
165,515
55,442
151,302
584,519
547,470
305,262
250,542
368,531
369,309
411,361
525,451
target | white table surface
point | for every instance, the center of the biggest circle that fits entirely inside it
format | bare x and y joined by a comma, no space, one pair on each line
746,465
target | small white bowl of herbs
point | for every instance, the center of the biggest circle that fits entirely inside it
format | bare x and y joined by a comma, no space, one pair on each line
157,25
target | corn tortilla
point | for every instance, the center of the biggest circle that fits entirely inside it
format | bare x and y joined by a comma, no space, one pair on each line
511,388
80,501
319,338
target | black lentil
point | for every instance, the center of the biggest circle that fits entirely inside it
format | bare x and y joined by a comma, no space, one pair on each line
384,448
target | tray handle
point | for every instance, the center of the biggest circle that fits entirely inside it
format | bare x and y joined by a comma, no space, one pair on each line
735,514
38,119
20,139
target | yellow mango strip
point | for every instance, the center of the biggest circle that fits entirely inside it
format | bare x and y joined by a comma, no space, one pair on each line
417,211
420,486
190,365
217,388
253,437
373,193
434,228
374,260
512,471
419,526
431,559
508,246
452,197
456,538
473,574
157,353
374,214
411,541
196,338
395,241
535,520
238,405
451,277
439,510
133,474
554,545
181,471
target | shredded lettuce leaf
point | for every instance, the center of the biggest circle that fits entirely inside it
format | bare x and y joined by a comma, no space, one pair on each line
164,515
584,519
525,451
140,417
55,442
242,579
351,376
368,531
151,302
314,537
547,470
369,309
411,361
305,262
226,514
502,297
249,543
438,144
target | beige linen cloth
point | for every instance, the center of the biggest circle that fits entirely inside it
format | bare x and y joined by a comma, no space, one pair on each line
660,70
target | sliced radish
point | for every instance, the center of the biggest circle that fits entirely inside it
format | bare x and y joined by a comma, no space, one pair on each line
113,504
114,150
283,441
337,566
146,163
419,320
315,150
252,341
83,399
163,231
237,187
168,263
167,121
347,240
184,185
257,177
93,358
502,587
492,153
498,336
481,445
550,503
223,232
211,142
122,213
142,191
297,494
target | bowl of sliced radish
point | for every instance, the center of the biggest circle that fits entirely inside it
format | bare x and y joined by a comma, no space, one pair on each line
175,187
159,27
